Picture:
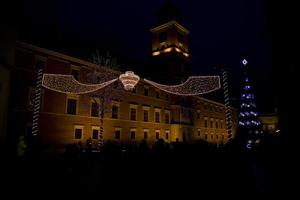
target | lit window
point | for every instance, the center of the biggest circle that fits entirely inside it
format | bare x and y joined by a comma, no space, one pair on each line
72,106
157,134
78,133
146,115
133,113
146,134
157,116
95,134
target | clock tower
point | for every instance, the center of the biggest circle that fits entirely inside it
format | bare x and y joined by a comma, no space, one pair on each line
170,52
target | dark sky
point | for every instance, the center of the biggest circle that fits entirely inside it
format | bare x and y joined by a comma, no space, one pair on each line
222,33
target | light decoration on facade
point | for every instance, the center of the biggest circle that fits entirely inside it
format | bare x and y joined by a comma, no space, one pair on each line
227,105
67,84
194,85
156,53
37,103
129,80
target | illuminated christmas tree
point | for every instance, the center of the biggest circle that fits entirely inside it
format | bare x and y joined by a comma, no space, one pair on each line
249,125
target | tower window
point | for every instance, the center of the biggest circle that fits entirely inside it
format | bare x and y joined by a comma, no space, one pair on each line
162,37
180,38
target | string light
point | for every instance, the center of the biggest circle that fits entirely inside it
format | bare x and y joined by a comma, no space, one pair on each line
129,80
67,84
37,103
227,105
194,85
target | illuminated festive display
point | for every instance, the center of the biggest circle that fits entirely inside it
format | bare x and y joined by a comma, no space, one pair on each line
248,117
129,80
67,84
194,85
227,105
37,103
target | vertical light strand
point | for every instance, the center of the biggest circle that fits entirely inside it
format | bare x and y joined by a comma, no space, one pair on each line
227,105
37,103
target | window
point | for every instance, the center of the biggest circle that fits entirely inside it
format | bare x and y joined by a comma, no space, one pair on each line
146,134
221,123
198,114
95,109
132,135
205,122
183,137
157,116
75,73
133,113
146,91
222,136
146,115
162,37
167,134
157,95
72,106
205,136
95,134
198,133
217,125
115,112
180,37
217,136
117,134
211,123
78,133
168,117
212,136
157,134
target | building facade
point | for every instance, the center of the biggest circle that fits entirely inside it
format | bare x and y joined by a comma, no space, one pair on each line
145,114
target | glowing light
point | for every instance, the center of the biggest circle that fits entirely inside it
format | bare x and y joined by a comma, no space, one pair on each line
37,103
168,49
129,80
194,85
67,84
178,50
185,54
156,53
245,62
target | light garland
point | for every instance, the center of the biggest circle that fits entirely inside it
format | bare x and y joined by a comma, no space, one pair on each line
227,105
129,80
67,84
194,85
37,103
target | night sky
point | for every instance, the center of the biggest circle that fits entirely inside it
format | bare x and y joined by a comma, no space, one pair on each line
222,33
